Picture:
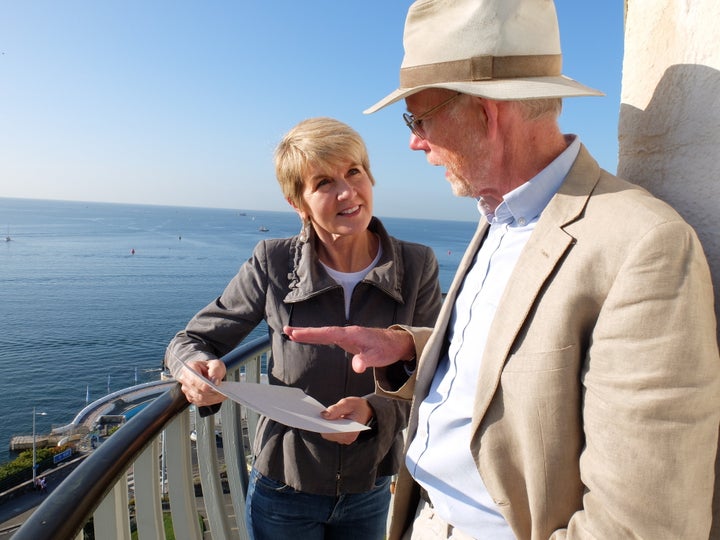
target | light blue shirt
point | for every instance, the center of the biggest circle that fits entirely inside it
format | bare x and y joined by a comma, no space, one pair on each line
439,457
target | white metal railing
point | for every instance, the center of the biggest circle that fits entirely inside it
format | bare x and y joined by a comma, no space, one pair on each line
155,449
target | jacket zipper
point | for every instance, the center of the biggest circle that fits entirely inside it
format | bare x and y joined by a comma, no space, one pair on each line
338,474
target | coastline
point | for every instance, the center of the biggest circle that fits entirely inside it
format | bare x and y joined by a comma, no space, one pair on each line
110,410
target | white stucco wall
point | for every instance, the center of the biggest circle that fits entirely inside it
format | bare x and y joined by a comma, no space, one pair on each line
669,131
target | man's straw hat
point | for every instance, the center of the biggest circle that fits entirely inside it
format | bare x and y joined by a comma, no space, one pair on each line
498,49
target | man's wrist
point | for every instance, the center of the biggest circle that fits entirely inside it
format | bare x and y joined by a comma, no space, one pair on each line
408,344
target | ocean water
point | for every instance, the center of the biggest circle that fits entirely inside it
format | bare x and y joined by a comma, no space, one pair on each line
91,293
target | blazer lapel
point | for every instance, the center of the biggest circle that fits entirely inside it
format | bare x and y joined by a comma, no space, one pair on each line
431,353
546,246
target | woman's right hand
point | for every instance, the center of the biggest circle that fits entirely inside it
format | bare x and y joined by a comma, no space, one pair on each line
352,408
197,391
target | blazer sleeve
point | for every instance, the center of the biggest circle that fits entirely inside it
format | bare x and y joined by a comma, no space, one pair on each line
651,397
393,381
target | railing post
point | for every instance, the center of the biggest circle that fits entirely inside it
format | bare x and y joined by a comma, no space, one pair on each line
235,453
111,517
253,374
148,494
180,483
210,478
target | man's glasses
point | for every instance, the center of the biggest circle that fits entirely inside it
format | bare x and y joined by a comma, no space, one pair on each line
415,122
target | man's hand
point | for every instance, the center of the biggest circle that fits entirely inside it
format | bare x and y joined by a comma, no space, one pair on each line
196,391
370,347
352,408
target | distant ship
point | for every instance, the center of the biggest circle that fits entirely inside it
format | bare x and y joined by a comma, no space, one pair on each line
263,228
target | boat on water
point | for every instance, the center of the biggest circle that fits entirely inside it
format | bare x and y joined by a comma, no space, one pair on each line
263,228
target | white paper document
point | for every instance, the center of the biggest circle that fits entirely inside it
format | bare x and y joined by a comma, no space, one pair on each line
287,405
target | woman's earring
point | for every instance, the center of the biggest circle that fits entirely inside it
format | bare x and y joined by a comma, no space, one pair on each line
305,230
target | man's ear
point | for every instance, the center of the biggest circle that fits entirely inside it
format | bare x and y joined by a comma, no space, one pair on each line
498,114
487,113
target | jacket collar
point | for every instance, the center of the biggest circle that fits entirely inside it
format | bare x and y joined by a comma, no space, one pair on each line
308,278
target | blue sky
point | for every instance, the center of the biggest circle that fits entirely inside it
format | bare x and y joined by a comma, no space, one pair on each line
182,102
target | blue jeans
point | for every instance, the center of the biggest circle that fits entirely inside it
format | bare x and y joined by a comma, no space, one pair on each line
275,511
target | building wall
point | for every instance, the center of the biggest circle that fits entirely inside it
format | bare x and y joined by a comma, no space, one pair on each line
669,129
669,132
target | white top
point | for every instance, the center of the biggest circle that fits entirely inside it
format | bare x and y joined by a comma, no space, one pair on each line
348,280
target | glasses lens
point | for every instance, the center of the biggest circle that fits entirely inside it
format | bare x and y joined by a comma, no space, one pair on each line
413,124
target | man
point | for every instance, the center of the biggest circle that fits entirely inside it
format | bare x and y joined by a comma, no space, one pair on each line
571,385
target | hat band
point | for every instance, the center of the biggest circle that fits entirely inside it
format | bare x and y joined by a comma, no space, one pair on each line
482,68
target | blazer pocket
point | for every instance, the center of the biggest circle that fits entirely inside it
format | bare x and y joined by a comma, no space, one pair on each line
542,374
529,362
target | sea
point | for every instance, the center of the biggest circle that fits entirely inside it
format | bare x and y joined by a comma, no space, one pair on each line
91,293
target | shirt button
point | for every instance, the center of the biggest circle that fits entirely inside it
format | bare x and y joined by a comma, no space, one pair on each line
522,221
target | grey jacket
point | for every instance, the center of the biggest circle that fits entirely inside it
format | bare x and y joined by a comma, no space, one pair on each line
285,284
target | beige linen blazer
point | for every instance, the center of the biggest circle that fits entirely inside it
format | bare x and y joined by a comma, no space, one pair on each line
598,401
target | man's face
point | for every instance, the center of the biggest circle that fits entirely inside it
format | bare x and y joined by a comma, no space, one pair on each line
454,138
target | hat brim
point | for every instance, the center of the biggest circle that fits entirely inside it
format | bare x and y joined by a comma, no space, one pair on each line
500,89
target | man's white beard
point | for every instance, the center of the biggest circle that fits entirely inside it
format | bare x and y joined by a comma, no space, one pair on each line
460,187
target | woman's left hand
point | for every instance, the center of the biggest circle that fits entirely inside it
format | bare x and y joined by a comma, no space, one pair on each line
352,408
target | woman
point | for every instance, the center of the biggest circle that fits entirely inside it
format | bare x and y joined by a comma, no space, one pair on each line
343,268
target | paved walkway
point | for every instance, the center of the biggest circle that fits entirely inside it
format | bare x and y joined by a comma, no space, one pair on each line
15,511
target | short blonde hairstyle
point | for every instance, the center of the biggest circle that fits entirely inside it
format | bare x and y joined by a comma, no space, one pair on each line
317,141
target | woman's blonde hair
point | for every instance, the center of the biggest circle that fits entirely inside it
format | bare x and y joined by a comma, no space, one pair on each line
323,142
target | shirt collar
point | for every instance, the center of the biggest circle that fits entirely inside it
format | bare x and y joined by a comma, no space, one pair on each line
526,202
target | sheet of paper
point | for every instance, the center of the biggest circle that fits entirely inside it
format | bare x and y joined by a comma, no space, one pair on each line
284,404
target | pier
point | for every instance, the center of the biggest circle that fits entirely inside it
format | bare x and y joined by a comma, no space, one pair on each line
19,443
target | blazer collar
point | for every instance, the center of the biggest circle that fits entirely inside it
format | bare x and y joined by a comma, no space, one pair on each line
428,361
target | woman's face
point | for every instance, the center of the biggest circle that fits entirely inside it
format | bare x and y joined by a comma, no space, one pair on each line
337,199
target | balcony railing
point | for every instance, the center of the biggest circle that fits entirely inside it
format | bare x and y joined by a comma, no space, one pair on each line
151,458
